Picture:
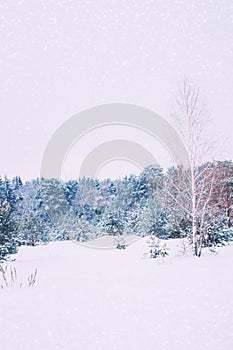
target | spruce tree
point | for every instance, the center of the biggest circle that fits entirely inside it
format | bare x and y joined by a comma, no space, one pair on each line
8,242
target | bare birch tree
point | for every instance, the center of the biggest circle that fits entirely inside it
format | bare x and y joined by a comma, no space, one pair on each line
195,185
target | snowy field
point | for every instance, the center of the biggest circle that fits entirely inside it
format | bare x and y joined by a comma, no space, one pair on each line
118,299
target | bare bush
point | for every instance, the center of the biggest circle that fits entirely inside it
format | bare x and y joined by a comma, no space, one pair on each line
9,278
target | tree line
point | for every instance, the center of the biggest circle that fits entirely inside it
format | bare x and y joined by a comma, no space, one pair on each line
153,203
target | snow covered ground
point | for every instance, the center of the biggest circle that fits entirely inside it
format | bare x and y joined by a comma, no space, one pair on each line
117,299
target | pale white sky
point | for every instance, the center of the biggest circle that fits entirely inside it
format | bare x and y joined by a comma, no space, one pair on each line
60,57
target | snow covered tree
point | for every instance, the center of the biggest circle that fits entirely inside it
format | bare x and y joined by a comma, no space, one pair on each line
150,220
120,242
9,193
156,249
222,195
217,233
53,200
65,228
112,223
33,230
154,179
70,189
84,230
8,229
2,190
150,217
176,204
87,200
34,223
17,182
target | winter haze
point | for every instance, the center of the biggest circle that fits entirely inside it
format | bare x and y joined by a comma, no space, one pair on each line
60,57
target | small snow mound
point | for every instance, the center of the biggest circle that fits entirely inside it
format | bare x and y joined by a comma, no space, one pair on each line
108,242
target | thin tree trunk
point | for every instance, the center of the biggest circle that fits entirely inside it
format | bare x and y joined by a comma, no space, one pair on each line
194,210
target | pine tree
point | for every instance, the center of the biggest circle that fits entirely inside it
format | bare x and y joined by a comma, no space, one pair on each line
112,223
9,193
70,190
33,229
155,248
8,242
17,182
53,200
2,190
